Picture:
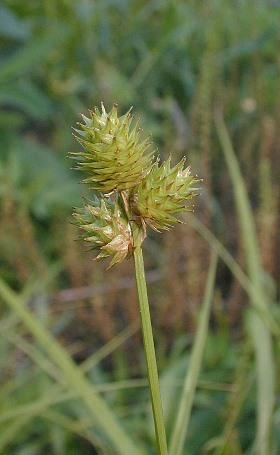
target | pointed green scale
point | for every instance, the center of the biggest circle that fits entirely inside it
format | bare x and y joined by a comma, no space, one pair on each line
160,194
106,228
109,141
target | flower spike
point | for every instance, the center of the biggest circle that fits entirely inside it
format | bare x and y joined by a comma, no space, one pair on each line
144,193
105,227
160,195
114,156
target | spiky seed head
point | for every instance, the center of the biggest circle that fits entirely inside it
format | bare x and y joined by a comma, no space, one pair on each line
106,229
114,156
160,195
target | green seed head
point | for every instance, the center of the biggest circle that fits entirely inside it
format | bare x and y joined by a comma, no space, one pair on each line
160,195
114,156
106,228
144,192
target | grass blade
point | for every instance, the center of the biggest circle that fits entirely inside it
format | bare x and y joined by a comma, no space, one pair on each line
238,273
101,415
181,425
260,334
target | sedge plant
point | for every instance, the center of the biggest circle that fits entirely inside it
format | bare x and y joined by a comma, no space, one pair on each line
132,190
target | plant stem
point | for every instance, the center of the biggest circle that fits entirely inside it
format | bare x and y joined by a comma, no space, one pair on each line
149,349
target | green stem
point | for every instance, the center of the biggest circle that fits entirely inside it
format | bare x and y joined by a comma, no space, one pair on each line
149,347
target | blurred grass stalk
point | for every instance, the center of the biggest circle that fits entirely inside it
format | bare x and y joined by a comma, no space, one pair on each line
179,432
259,331
236,270
19,416
101,415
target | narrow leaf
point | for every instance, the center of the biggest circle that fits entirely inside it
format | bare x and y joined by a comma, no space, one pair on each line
179,433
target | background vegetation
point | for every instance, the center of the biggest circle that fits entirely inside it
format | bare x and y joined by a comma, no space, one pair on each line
189,69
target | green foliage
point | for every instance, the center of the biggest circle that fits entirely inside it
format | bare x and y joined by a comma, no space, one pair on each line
178,63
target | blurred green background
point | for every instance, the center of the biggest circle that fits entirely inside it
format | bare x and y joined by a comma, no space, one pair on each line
203,77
